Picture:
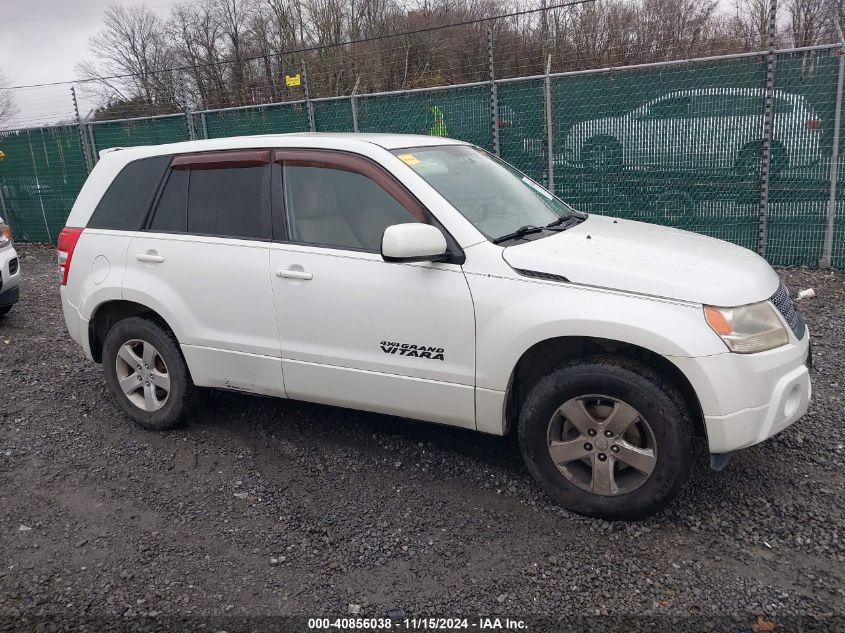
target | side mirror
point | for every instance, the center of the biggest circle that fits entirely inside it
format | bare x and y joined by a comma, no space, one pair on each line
412,242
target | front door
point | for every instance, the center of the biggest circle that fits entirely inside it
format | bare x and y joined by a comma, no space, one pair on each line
355,330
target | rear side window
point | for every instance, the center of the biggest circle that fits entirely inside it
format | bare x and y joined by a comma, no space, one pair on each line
230,202
127,199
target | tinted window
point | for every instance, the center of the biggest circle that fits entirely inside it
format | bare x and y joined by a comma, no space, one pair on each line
171,214
333,207
127,199
230,202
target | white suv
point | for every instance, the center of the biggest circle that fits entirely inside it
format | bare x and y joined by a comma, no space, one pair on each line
421,277
9,270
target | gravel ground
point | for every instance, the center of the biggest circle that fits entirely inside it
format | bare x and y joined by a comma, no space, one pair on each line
265,507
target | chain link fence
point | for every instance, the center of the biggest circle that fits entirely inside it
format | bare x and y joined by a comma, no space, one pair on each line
681,143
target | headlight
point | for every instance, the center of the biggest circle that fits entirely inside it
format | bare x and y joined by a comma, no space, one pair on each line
5,234
748,329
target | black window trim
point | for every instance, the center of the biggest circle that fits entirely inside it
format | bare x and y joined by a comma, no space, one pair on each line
454,253
153,206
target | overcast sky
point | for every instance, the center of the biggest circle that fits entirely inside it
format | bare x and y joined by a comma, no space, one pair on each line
41,40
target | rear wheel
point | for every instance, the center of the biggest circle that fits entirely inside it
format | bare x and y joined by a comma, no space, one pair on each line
606,437
147,374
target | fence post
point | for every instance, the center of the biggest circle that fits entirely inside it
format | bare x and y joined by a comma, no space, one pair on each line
826,260
204,125
189,117
354,103
90,129
309,106
81,131
768,116
550,137
494,95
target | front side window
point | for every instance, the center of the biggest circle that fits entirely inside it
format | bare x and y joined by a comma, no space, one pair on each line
495,197
327,205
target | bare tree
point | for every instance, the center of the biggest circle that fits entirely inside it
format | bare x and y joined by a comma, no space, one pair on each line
811,20
751,23
236,52
131,56
8,109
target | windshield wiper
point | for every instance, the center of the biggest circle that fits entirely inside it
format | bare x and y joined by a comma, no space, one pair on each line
522,231
564,222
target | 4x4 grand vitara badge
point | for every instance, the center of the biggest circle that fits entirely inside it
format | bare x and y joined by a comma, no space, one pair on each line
407,349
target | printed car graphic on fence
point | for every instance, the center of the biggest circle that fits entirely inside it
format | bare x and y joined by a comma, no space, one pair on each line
716,128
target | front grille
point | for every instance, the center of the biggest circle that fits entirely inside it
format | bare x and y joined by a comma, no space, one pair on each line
13,266
783,302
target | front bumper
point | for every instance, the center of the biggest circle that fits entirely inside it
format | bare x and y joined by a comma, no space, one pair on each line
747,399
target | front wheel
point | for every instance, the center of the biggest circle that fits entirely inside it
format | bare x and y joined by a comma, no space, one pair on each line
607,437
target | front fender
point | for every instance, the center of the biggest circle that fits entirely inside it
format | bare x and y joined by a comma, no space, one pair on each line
538,311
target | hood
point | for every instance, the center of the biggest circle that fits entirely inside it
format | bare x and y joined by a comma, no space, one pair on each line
649,259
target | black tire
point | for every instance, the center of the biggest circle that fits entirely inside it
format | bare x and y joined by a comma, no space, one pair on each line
602,154
180,399
5,310
629,382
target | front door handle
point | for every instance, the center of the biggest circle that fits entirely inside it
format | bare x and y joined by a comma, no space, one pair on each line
150,257
290,273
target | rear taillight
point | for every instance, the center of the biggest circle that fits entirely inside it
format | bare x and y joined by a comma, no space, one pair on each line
67,242
814,124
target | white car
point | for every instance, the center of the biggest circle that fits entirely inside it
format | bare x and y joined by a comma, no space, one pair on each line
714,128
9,270
421,277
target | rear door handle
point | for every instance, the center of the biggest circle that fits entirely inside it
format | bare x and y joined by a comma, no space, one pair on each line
289,273
151,258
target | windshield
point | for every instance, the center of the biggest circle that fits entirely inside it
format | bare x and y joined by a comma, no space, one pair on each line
491,194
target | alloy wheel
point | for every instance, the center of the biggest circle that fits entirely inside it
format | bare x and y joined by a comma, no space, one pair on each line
142,375
602,445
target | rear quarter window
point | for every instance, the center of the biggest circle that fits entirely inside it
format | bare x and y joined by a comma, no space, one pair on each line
128,197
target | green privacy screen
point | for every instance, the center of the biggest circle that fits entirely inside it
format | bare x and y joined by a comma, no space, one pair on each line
153,131
271,119
677,144
39,180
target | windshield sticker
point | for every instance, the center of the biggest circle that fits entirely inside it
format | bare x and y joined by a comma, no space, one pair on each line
409,159
536,188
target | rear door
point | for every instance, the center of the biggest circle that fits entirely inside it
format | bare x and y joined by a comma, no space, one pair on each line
202,261
357,331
